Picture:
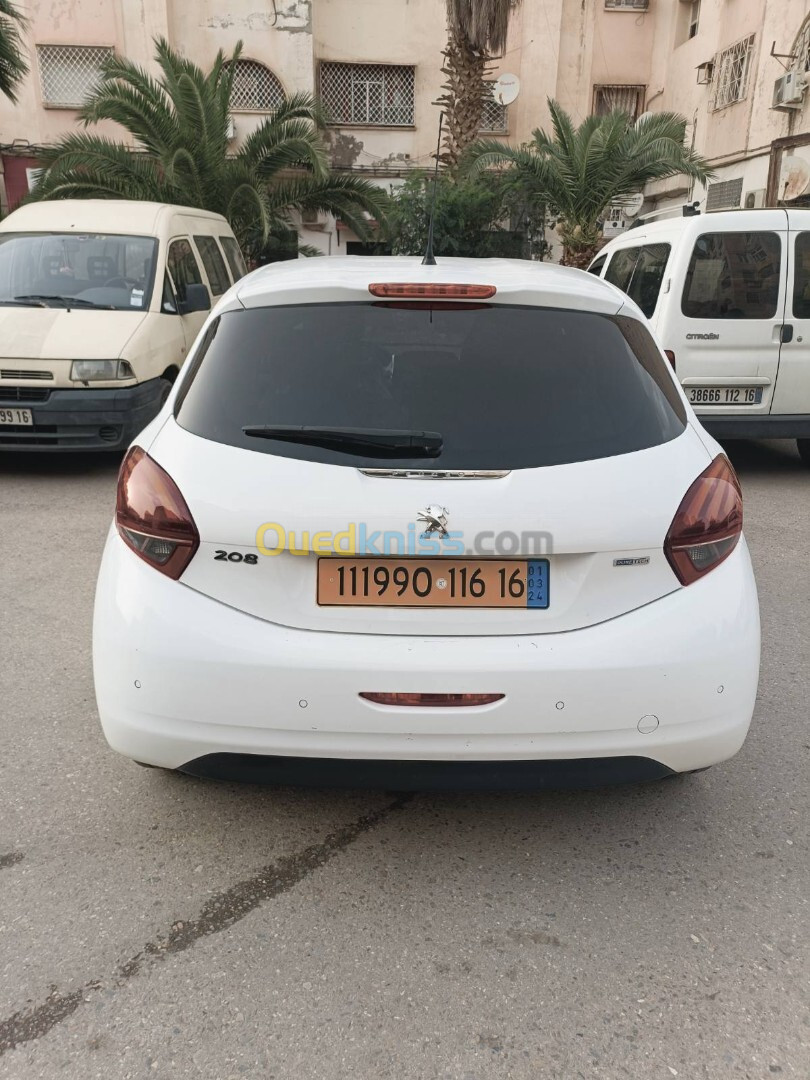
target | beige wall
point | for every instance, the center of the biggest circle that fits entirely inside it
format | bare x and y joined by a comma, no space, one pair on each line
736,139
559,48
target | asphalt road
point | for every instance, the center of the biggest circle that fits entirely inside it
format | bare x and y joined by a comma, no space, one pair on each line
156,926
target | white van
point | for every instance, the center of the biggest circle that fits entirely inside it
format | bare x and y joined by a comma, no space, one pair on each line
100,301
728,293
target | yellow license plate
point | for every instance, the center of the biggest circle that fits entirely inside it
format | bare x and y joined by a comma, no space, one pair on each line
484,583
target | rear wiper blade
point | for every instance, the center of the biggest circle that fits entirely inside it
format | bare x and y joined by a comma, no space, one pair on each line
382,442
68,301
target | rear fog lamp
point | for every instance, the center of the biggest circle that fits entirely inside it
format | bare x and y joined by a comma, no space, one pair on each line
432,701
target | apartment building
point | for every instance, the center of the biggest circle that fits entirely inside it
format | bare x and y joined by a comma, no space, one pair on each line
377,66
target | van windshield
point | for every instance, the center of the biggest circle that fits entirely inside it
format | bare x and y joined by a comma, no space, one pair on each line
87,270
430,385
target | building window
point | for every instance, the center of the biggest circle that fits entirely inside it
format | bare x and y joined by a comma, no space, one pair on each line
255,88
731,70
801,50
629,99
724,195
493,115
626,5
369,94
70,73
694,18
687,19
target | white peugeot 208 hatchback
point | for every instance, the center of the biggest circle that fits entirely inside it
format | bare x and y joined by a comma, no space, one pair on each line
421,526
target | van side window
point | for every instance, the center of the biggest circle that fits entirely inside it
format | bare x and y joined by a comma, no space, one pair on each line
801,277
183,268
168,302
639,271
597,264
733,275
621,267
214,264
234,257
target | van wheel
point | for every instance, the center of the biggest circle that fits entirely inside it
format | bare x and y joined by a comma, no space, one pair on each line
167,378
803,446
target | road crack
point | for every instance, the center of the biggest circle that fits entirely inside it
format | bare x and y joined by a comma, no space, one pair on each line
219,913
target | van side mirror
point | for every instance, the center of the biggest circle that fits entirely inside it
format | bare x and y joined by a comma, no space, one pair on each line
197,299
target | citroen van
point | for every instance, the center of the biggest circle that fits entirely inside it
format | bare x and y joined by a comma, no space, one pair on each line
728,293
100,301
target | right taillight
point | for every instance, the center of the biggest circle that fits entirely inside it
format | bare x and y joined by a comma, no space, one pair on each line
708,523
152,516
670,355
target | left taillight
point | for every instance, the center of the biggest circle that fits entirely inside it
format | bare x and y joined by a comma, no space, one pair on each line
708,524
152,517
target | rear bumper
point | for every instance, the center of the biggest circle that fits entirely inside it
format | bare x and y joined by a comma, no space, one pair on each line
180,677
84,419
776,426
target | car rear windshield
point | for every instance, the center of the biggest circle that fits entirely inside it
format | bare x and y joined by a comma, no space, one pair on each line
506,387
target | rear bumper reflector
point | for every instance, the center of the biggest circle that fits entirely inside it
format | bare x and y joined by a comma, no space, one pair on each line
432,701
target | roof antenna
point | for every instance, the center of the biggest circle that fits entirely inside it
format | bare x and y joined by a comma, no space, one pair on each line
429,259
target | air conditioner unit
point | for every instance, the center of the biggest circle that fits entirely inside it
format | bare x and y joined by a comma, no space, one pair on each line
752,200
313,219
614,226
788,91
230,130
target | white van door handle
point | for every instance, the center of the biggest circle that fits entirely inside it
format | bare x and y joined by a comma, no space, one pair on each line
786,334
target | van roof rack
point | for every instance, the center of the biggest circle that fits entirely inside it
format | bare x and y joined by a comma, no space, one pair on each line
687,210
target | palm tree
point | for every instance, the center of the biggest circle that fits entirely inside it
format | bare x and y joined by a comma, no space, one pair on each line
13,67
476,29
581,171
179,126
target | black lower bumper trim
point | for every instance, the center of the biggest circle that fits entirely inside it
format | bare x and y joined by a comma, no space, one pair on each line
774,426
85,419
426,775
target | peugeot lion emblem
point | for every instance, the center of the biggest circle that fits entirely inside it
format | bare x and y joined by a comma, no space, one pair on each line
434,518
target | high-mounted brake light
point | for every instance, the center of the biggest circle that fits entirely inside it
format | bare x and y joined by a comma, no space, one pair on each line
428,701
708,523
152,517
430,290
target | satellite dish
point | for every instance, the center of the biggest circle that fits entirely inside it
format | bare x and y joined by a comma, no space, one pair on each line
795,177
644,116
506,88
632,204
